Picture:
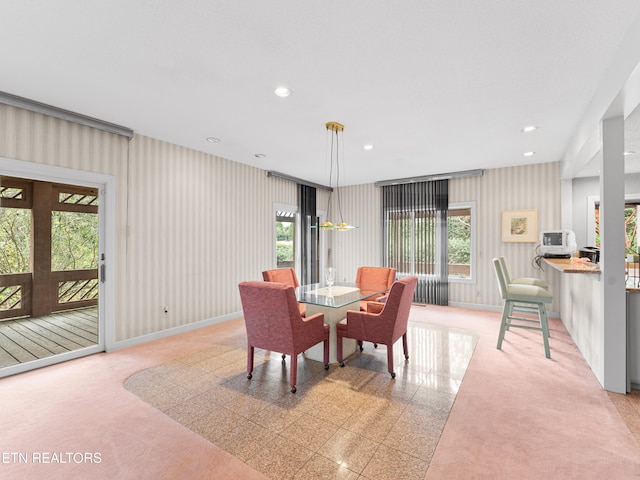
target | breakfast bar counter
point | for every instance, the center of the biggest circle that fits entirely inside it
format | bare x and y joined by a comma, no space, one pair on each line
572,265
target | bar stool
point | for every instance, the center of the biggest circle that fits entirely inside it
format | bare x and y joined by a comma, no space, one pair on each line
520,280
532,297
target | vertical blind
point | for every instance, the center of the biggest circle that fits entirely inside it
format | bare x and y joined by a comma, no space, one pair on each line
309,258
415,236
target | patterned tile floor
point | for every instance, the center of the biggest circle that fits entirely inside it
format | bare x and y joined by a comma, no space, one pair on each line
346,423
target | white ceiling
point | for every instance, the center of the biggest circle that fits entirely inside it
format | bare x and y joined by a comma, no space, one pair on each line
436,85
631,146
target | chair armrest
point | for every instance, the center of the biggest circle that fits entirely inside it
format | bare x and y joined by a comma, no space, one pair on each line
355,315
361,325
374,307
315,318
315,325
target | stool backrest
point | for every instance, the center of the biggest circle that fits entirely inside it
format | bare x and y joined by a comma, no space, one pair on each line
500,276
505,269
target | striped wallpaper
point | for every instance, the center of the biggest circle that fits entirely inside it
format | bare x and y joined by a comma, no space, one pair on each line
191,226
513,188
363,245
198,225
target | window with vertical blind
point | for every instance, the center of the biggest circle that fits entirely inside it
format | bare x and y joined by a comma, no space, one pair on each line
309,240
415,236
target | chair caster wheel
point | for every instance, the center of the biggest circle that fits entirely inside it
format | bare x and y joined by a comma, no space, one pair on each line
393,375
249,376
341,364
294,389
362,349
406,357
375,345
326,367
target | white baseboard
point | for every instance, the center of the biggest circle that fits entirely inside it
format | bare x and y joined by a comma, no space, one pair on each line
173,331
230,316
496,308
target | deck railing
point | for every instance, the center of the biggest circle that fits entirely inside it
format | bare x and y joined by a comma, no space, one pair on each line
74,289
15,295
69,289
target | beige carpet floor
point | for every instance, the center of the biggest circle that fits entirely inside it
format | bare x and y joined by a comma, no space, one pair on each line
341,423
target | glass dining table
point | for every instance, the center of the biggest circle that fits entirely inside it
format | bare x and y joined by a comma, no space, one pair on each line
333,301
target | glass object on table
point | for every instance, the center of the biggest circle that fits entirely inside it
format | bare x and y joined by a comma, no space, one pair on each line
329,275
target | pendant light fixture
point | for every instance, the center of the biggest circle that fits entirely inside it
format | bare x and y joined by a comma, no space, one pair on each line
335,146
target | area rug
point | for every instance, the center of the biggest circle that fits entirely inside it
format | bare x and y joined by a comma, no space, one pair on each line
342,423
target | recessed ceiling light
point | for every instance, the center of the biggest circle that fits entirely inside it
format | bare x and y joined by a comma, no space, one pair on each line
368,147
529,128
260,155
282,92
629,152
213,140
529,154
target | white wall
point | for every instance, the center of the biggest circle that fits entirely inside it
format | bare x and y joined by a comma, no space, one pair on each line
584,187
190,226
197,226
514,188
361,206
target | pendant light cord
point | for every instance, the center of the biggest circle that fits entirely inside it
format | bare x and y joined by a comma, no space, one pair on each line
330,174
338,143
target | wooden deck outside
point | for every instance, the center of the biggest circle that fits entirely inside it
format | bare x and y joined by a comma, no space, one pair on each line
28,339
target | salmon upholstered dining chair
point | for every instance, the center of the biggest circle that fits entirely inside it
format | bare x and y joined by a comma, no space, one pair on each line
375,279
383,327
274,323
287,276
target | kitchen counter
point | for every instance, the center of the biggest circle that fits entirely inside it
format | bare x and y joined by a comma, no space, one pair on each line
580,308
572,265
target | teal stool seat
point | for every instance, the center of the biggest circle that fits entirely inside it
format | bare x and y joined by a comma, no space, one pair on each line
528,298
520,280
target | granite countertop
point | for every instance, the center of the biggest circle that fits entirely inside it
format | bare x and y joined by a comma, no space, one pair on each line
572,265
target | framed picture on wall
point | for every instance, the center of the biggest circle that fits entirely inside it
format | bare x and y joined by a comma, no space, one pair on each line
520,225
